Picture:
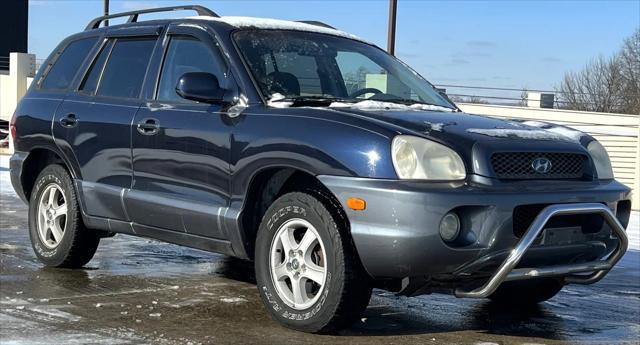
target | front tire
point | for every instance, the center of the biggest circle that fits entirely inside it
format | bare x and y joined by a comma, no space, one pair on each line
308,273
58,236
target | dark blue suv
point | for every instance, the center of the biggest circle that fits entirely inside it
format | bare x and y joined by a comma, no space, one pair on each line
331,164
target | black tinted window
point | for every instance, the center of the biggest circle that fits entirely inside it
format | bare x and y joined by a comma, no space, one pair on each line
186,54
61,74
124,72
90,82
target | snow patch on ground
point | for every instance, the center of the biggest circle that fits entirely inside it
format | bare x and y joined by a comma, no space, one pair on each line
233,300
9,246
55,313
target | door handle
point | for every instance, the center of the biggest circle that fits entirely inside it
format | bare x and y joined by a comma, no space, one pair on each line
148,126
69,121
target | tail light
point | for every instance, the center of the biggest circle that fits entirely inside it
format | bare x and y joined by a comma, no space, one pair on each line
12,126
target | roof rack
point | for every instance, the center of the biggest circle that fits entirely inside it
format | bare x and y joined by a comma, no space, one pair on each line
316,23
133,15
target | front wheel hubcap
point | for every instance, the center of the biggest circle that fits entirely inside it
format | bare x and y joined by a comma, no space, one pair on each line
297,264
52,216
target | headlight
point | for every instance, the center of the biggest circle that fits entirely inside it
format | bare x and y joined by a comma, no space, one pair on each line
600,160
421,159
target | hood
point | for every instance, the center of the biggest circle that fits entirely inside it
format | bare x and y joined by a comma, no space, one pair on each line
468,129
434,122
476,138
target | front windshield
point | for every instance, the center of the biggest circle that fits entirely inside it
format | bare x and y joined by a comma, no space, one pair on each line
298,65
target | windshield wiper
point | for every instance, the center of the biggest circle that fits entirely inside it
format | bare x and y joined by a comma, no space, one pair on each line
311,100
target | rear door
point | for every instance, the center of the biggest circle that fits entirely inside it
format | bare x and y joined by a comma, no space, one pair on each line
95,121
181,147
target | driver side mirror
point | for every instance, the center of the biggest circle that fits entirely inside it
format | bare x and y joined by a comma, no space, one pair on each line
200,87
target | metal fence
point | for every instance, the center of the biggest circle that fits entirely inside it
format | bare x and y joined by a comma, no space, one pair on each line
4,63
499,95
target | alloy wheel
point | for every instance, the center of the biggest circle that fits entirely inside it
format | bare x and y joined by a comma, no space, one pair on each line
52,216
298,264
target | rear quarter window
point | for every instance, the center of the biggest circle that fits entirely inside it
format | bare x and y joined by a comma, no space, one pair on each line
64,68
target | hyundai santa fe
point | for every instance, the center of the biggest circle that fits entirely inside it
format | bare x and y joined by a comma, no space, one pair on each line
329,163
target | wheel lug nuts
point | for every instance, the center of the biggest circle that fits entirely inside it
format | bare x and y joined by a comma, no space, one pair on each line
300,252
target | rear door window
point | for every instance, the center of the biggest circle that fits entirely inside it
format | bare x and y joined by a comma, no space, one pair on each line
124,72
60,75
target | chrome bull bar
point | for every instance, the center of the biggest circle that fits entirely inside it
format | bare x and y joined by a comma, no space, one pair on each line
598,269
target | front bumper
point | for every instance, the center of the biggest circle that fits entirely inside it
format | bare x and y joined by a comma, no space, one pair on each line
397,235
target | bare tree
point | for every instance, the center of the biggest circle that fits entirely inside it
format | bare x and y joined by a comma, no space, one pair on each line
606,84
524,96
630,64
469,99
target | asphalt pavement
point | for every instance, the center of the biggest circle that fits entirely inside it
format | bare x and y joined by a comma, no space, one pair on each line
140,291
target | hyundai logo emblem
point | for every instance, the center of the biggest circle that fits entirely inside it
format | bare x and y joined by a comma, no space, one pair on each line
541,165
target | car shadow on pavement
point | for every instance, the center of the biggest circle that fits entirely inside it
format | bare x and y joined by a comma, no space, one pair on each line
486,317
398,319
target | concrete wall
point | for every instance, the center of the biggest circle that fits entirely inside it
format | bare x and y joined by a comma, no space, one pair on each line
618,133
14,85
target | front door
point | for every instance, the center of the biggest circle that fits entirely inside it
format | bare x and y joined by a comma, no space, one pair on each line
180,147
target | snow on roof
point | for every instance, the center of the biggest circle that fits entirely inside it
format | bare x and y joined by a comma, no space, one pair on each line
269,23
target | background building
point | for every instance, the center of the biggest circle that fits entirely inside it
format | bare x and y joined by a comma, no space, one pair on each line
14,19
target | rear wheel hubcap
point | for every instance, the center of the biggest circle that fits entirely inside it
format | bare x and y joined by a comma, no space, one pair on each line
51,216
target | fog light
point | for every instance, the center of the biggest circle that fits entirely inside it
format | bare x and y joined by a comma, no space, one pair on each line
450,227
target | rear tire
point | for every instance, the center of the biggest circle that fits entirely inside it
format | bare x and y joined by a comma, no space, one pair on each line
527,292
335,288
58,236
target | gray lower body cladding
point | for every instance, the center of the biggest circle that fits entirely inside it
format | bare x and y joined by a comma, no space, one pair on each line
397,235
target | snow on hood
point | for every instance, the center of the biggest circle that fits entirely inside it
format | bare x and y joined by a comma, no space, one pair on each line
269,23
567,132
435,126
370,105
276,101
540,131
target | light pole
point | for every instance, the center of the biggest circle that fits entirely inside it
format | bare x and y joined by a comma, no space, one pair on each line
391,37
106,12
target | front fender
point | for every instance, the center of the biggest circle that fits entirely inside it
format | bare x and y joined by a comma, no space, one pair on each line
310,140
313,140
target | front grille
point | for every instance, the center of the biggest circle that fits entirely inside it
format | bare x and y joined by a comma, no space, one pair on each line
518,165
